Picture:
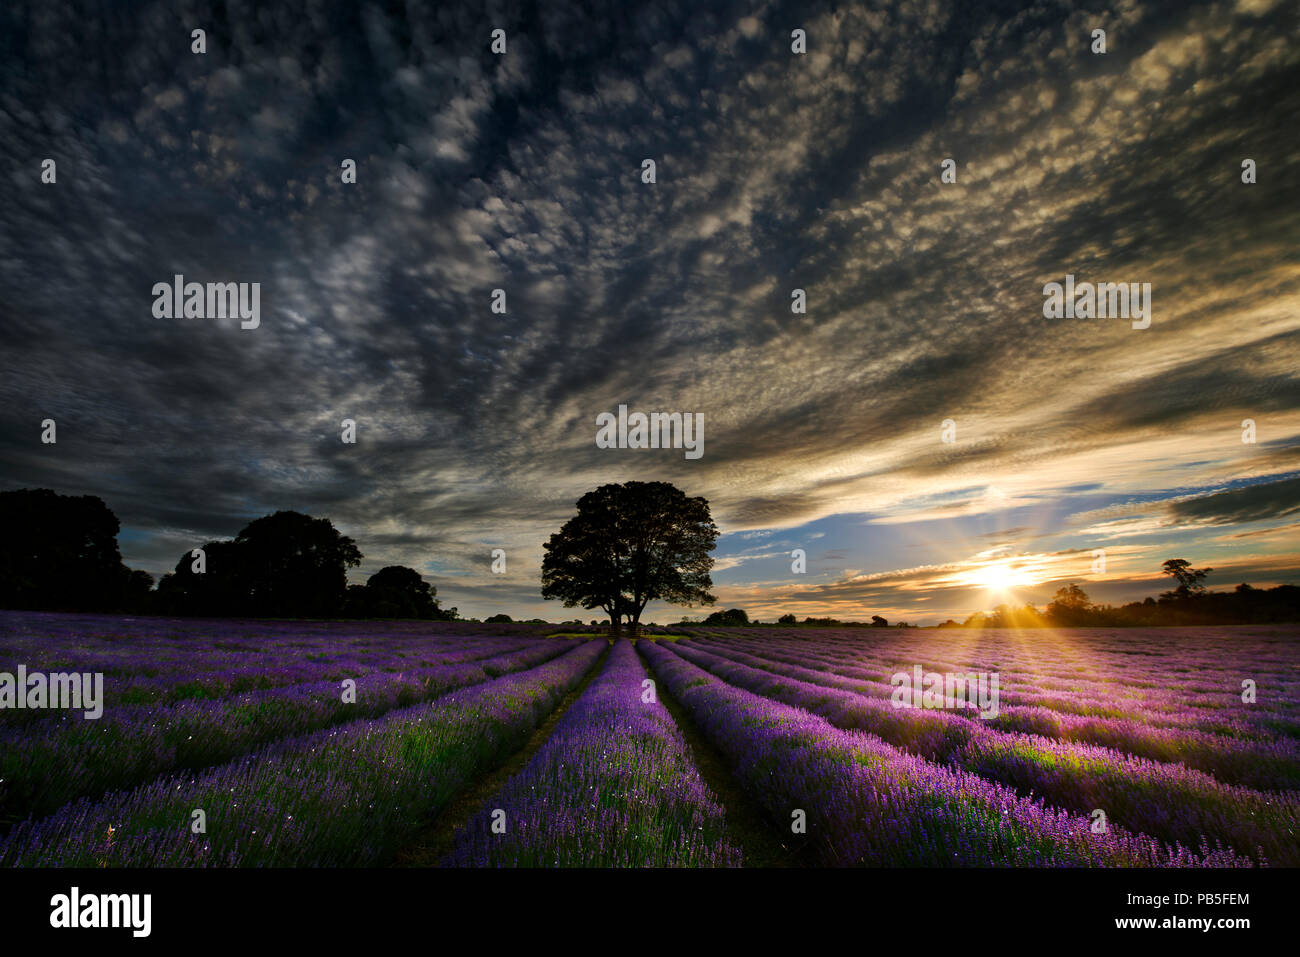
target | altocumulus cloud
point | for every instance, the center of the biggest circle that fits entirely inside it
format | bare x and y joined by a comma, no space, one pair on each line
521,172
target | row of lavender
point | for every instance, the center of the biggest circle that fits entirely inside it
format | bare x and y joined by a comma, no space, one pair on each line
45,765
1127,691
1167,802
866,803
158,661
1258,760
212,681
353,795
583,799
295,775
1187,677
614,785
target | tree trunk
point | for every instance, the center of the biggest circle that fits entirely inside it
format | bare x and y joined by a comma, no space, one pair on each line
615,626
634,627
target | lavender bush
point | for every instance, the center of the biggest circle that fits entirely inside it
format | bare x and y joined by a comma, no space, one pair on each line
346,796
614,786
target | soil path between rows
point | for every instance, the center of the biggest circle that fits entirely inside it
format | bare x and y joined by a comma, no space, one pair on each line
746,825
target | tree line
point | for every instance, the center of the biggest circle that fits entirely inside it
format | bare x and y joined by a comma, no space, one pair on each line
739,617
1189,602
60,553
628,545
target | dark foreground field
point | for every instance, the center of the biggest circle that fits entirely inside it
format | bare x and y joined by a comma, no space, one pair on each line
378,744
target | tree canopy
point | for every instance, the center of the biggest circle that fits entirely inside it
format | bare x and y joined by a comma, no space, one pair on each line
59,552
732,616
1191,581
628,545
285,565
395,591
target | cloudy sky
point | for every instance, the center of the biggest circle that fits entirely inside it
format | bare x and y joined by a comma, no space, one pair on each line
774,171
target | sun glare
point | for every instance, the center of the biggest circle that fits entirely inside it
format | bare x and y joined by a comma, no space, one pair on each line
1000,576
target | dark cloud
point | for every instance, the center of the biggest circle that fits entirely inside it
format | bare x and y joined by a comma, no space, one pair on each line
1253,503
521,172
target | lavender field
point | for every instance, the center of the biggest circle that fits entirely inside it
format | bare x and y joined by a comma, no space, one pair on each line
268,743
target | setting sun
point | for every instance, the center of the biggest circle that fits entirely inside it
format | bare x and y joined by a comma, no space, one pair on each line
1001,576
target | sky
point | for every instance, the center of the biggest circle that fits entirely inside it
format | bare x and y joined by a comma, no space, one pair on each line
923,432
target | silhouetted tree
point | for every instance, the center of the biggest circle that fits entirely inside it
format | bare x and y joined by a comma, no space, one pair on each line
356,602
1070,606
498,620
219,589
878,622
1191,581
286,565
400,592
137,594
629,545
295,566
732,616
60,552
787,620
